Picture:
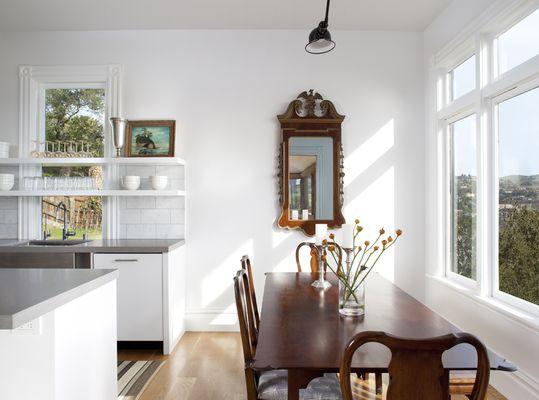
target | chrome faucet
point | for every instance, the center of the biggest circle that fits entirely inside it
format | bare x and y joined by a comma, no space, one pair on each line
65,231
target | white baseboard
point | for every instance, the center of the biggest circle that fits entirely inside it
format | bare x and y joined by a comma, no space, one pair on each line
515,386
211,320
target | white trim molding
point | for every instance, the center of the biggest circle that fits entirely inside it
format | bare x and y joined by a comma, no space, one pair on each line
32,81
211,320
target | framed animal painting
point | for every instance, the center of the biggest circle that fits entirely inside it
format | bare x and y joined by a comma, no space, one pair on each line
150,138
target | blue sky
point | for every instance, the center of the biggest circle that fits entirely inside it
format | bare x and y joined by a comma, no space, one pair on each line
518,117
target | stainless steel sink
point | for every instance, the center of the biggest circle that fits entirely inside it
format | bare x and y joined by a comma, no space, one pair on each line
53,242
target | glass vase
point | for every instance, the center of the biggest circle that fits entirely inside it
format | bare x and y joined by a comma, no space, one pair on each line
351,302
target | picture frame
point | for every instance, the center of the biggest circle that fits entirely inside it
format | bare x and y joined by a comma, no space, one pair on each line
150,138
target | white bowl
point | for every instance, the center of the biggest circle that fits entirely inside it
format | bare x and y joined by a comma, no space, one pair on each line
158,182
130,182
6,185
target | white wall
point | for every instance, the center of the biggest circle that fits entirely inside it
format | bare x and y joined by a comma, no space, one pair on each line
518,342
225,89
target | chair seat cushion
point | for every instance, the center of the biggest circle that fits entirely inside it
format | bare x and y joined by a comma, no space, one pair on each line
324,388
273,385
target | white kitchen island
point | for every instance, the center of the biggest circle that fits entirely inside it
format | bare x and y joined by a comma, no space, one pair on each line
58,334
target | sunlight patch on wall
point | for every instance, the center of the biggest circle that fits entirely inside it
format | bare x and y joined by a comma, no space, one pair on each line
279,236
220,279
371,150
375,207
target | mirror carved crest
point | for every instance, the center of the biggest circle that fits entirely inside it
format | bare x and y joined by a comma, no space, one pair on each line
310,164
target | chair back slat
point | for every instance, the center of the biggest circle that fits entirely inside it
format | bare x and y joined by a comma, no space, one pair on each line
244,320
247,267
416,370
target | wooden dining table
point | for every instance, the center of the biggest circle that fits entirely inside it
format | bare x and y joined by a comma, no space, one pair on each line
302,331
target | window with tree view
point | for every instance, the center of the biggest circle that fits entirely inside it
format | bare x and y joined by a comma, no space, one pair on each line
518,209
74,127
464,199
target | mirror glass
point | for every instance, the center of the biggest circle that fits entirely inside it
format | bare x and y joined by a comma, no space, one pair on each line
310,178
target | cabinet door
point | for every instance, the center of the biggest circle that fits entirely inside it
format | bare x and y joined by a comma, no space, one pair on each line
140,294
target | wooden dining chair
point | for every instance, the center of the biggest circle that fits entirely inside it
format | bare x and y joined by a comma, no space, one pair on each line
261,385
265,385
314,255
313,259
247,267
416,371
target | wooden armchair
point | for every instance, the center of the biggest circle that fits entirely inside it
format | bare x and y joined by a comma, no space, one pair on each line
416,371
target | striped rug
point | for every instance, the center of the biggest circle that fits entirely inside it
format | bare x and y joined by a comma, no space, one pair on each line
134,376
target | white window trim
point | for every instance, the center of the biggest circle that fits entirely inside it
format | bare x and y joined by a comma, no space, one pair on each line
33,80
491,88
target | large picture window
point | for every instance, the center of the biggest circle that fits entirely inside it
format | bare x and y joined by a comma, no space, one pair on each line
518,199
490,162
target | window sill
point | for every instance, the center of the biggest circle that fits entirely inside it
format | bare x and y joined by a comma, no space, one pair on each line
528,320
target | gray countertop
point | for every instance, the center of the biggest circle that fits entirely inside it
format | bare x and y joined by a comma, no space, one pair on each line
27,294
96,246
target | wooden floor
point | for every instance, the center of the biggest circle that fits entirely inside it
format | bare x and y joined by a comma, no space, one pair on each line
209,366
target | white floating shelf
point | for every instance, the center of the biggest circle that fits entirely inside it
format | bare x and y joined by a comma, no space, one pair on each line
41,193
93,161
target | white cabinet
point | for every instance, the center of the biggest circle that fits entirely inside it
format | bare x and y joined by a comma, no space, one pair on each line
140,294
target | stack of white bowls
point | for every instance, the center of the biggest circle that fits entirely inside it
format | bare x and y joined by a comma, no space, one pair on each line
4,150
130,182
158,182
7,181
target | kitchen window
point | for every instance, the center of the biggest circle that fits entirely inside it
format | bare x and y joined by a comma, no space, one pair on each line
74,126
68,106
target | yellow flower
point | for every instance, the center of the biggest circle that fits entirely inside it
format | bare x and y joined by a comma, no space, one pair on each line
324,242
399,232
382,231
367,243
389,239
359,248
331,248
359,228
357,221
331,236
376,248
384,242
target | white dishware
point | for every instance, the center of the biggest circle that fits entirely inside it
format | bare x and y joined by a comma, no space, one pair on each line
7,181
4,150
130,182
158,182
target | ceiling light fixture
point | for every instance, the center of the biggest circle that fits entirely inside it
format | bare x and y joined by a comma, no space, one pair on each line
320,39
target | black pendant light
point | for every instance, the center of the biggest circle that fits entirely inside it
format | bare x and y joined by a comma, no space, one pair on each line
320,39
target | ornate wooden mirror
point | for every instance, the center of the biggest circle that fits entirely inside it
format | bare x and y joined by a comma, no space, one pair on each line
310,164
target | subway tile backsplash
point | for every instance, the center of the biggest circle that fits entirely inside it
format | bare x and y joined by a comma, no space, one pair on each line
153,217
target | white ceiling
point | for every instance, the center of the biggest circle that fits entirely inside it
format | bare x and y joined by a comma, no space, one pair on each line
396,15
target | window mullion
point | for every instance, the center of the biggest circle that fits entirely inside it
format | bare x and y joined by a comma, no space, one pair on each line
484,75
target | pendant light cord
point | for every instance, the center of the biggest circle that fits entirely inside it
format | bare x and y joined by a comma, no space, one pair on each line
327,12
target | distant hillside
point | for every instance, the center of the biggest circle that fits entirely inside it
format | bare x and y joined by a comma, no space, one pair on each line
520,181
